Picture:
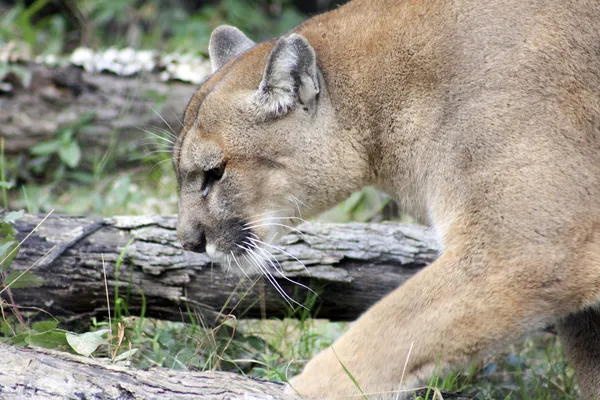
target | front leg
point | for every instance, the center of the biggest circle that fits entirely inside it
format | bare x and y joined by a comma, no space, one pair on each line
445,315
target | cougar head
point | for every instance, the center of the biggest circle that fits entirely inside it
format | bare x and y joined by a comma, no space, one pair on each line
260,148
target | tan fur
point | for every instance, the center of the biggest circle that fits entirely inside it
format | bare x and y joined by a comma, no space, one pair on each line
482,118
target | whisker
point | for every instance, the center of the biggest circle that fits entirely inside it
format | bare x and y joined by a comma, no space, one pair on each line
151,150
239,266
166,132
273,281
299,201
292,199
159,151
248,227
159,163
177,118
252,262
282,251
155,147
161,143
274,218
166,160
157,136
269,276
268,256
166,123
270,212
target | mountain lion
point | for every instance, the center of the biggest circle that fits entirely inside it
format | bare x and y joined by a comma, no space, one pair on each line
481,118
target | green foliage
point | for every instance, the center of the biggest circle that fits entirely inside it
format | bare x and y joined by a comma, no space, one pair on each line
88,342
63,150
43,333
36,33
349,374
8,239
367,205
153,23
21,73
8,243
5,185
165,25
535,369
20,280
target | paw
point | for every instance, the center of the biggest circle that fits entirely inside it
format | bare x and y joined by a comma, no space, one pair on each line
322,379
289,389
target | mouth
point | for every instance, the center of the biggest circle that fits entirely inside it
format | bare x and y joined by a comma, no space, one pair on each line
252,256
252,250
249,258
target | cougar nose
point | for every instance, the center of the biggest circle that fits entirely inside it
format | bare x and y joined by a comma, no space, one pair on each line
197,244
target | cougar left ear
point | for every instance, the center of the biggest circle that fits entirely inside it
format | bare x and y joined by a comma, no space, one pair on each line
226,42
290,77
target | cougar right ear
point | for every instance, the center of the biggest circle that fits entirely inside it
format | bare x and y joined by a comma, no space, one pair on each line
226,42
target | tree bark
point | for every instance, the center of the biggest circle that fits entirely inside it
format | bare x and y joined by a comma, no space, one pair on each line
350,266
50,374
36,373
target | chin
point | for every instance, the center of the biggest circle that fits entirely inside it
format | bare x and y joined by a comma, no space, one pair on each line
242,263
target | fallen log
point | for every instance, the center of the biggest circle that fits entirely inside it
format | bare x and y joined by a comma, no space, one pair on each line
36,373
51,374
351,266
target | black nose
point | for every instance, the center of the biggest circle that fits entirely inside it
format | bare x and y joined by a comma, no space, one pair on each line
198,245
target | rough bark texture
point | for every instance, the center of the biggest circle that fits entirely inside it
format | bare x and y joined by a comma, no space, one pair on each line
49,374
46,374
58,97
350,265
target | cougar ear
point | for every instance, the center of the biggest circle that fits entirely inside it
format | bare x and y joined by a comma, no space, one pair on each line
225,43
290,77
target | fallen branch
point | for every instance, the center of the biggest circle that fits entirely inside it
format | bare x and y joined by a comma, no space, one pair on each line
50,374
351,266
37,373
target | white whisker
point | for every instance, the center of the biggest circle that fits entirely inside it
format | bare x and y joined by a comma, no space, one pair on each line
272,279
157,136
280,250
296,204
166,132
158,164
248,227
268,255
177,118
151,143
270,212
251,262
239,266
153,152
274,218
299,201
166,123
269,276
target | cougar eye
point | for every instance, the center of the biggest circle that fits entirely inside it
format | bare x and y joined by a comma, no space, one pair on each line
211,176
217,173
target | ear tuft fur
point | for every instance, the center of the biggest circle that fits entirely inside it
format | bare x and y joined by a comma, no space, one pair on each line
227,42
290,77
